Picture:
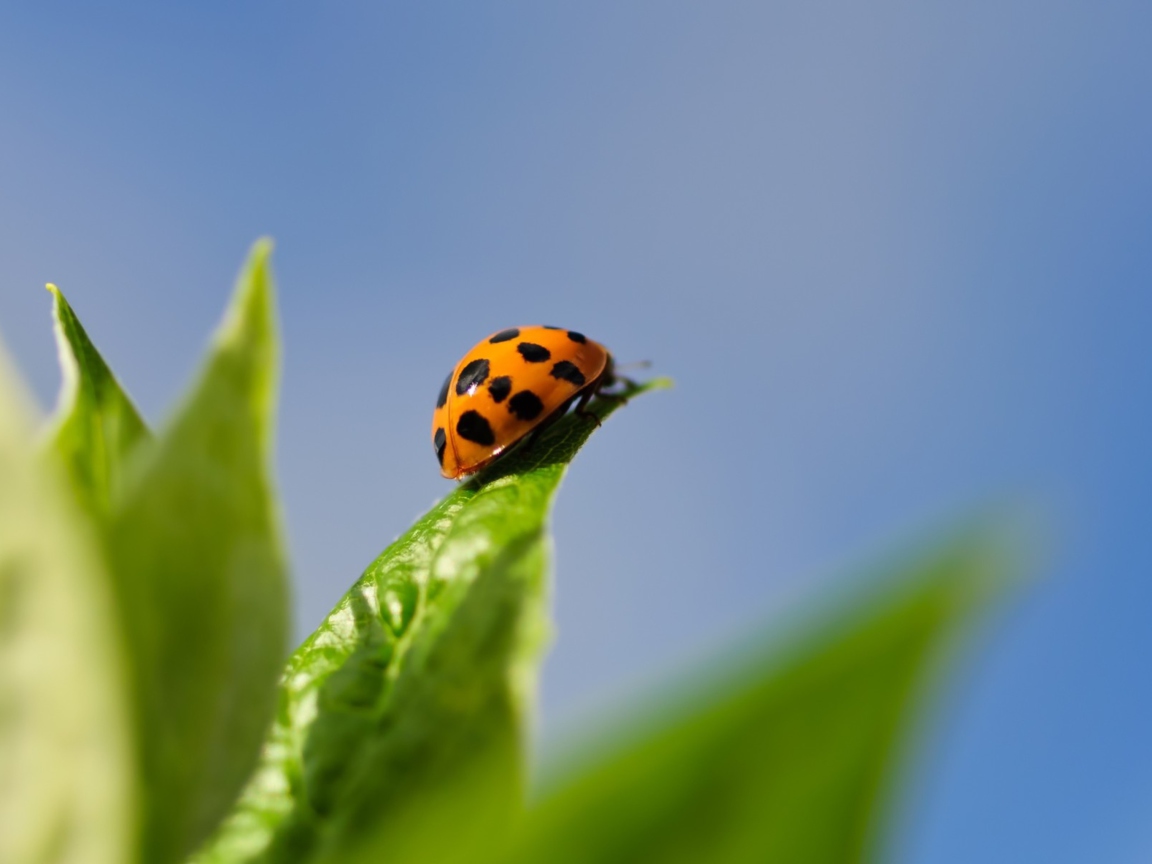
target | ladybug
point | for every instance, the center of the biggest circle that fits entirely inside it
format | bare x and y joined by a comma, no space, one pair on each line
513,382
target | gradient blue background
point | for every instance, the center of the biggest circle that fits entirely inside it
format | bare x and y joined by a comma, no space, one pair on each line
897,256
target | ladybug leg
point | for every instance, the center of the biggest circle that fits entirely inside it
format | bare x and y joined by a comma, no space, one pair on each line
603,391
581,411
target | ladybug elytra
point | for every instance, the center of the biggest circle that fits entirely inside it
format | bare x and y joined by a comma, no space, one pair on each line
508,385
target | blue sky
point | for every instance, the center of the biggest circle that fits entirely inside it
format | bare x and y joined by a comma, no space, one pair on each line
897,258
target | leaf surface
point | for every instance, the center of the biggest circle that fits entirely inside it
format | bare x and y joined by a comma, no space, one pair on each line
790,760
67,793
194,546
401,718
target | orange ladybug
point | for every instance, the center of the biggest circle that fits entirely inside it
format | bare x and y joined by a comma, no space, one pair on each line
513,382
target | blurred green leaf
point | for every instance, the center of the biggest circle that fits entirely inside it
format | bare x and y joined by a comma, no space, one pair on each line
401,718
195,552
791,760
97,425
67,789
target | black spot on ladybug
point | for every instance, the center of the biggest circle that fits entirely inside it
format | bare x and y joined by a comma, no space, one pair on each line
443,397
550,327
472,376
439,441
505,335
577,337
473,427
567,371
500,388
526,405
533,353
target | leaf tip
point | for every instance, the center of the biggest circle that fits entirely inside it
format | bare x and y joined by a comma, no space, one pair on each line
61,309
59,303
251,312
64,331
257,275
256,278
1010,543
261,253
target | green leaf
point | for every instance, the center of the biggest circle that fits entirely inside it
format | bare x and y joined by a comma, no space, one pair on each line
195,552
401,718
67,789
791,760
97,425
